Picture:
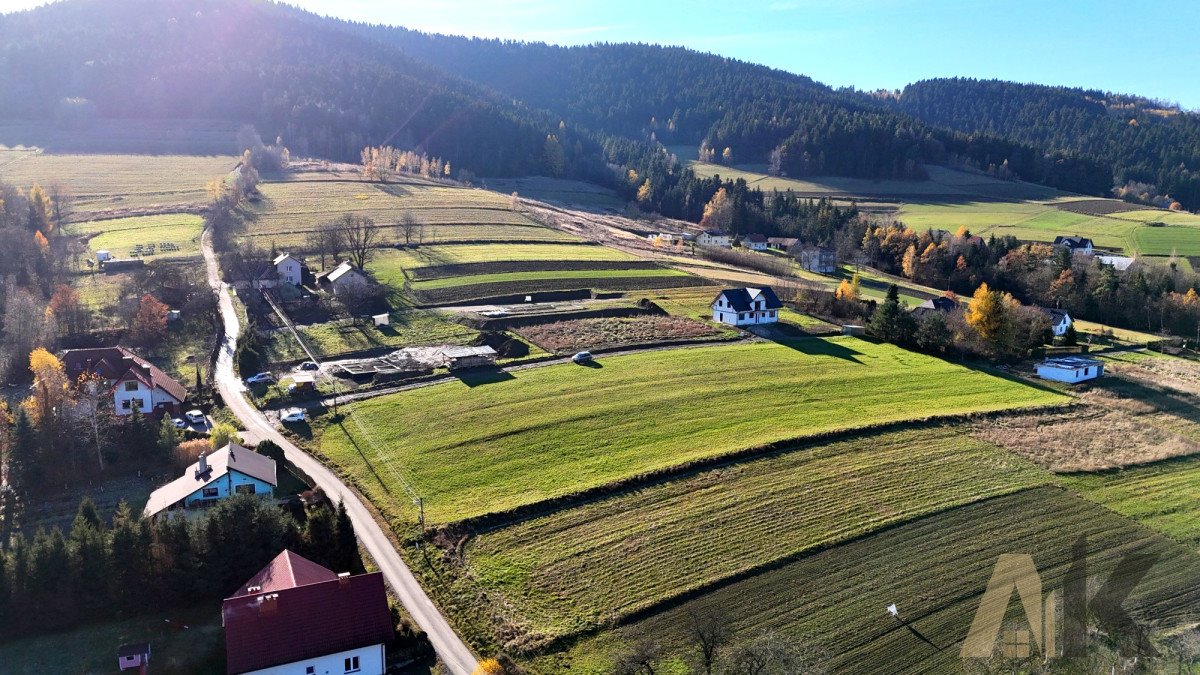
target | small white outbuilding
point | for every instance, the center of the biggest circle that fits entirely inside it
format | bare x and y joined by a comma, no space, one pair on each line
1070,369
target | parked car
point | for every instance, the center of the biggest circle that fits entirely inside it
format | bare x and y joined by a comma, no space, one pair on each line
195,417
582,357
179,423
260,377
308,365
293,415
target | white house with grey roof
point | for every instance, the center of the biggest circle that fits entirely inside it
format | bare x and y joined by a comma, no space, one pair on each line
219,475
746,306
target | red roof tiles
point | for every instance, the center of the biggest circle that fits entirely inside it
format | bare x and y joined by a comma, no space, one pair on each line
307,615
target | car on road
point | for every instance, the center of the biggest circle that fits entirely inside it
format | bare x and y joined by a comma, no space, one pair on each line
308,365
292,415
260,377
195,417
179,423
582,357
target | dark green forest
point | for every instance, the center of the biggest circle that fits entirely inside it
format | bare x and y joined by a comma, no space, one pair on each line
329,88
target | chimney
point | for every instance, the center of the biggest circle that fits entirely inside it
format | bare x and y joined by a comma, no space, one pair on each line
202,467
268,604
344,579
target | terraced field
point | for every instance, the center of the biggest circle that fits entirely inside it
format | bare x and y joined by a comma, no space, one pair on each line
406,329
493,443
117,183
291,209
578,569
934,569
1162,496
391,262
121,235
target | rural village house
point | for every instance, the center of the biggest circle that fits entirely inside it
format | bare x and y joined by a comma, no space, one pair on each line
296,616
1060,321
714,238
782,243
818,259
1070,369
747,306
289,269
342,278
941,304
135,382
228,471
755,242
1075,244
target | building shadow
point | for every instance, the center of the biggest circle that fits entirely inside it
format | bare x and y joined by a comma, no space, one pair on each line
477,377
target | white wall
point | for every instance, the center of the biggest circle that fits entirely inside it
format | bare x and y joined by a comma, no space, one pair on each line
370,662
1069,375
142,393
227,485
289,271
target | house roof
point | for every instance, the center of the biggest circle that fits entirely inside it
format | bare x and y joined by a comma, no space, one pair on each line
740,298
119,364
1119,262
286,570
1075,241
715,233
232,457
1070,362
1056,315
783,241
281,257
464,352
940,303
338,272
305,621
756,238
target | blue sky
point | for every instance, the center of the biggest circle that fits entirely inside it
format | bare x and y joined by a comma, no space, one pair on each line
1148,48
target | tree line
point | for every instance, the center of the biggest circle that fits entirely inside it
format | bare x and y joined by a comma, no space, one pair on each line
128,565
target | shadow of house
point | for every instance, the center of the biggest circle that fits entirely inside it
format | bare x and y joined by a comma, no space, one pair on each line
477,377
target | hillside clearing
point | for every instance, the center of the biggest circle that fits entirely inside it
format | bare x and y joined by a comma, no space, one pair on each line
121,235
495,442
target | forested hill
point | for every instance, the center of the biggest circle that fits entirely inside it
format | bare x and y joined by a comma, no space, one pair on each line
328,91
1140,139
678,96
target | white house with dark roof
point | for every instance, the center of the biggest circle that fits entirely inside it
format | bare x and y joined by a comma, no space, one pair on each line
746,306
1075,244
755,242
288,268
226,472
1060,321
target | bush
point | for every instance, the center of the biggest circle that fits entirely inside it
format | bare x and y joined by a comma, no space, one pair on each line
221,435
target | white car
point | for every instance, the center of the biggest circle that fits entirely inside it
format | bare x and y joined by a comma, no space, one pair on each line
582,357
260,377
195,417
179,423
293,415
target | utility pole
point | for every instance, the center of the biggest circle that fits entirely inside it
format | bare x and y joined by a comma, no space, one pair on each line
420,504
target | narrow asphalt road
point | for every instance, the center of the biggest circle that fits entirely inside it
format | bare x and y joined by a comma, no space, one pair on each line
452,650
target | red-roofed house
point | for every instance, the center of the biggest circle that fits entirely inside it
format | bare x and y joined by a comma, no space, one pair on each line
295,616
135,382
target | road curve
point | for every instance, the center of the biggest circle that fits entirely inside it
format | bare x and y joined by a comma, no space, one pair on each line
452,650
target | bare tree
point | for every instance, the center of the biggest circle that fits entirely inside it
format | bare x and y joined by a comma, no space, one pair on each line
769,654
710,633
61,201
359,235
639,659
410,228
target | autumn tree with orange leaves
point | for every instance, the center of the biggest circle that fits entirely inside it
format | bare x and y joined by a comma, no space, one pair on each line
150,323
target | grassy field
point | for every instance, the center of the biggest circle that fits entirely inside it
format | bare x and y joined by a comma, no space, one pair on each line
1161,496
391,262
579,568
536,277
200,648
115,183
490,443
934,568
569,192
120,235
291,209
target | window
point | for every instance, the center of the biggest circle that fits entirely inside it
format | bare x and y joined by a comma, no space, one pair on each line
247,489
131,386
125,404
741,316
351,664
208,492
310,670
